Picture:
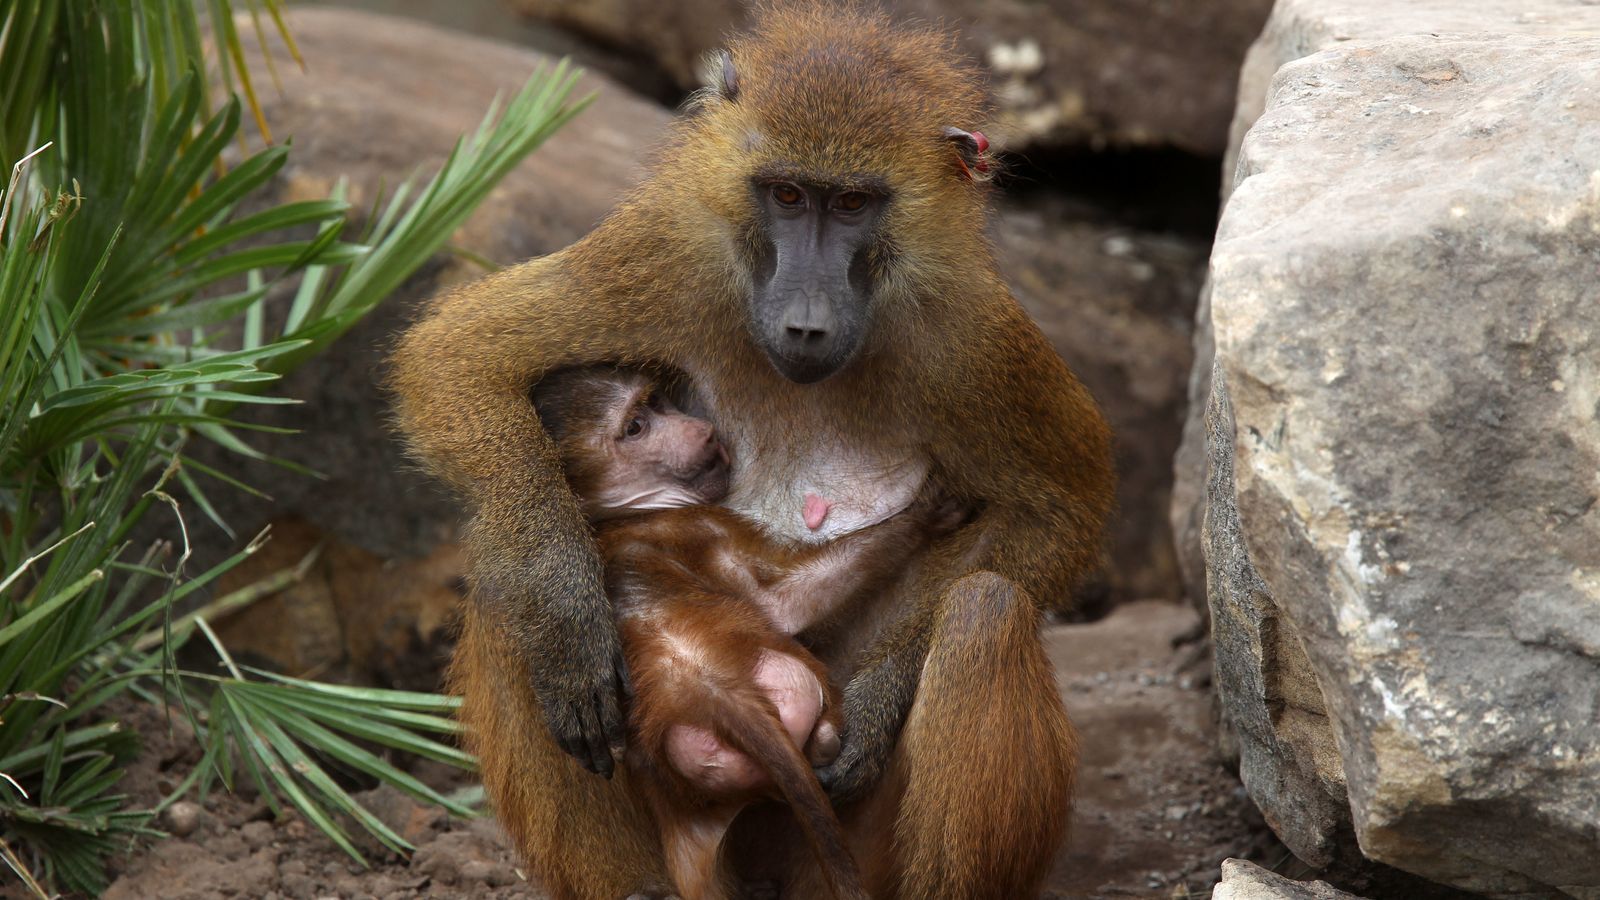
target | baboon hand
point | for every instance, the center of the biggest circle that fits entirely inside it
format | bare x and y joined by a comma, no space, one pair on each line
876,703
853,773
863,753
552,605
581,680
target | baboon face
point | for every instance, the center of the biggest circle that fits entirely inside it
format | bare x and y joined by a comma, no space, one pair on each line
836,149
811,275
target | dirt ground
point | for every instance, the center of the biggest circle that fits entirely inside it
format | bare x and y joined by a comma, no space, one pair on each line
1157,813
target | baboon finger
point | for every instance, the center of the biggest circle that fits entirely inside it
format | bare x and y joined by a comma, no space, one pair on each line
611,718
563,728
599,753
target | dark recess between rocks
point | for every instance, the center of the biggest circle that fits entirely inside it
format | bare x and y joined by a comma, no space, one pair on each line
1148,188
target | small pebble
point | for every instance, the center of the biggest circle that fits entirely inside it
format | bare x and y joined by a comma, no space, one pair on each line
1117,245
256,834
502,875
182,818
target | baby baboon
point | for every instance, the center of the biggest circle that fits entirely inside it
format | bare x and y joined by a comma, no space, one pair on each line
728,708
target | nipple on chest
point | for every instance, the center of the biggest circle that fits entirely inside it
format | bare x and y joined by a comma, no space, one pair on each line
815,511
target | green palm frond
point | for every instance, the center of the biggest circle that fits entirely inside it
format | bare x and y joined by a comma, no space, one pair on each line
163,39
134,287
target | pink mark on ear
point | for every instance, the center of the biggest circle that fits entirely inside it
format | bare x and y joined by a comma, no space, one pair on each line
816,511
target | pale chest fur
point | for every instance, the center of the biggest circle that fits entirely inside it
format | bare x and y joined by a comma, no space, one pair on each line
787,447
861,485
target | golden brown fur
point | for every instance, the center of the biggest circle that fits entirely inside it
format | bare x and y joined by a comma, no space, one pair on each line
977,788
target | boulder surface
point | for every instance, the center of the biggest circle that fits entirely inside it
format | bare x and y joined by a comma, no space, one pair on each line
1296,29
1407,326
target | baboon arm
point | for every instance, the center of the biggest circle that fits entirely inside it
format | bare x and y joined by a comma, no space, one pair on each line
462,377
1040,462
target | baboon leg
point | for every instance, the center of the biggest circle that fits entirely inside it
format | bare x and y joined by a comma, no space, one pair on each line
694,855
987,757
583,837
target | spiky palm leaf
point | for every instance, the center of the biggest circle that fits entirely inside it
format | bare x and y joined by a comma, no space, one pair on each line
131,322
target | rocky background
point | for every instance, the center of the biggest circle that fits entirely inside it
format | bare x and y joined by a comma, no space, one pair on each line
1400,534
1358,451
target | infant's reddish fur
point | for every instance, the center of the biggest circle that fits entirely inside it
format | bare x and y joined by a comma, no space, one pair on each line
728,707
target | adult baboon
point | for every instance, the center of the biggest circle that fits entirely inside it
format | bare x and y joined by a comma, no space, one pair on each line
809,250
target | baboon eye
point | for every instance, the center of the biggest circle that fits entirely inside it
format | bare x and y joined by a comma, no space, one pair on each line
635,427
850,201
787,195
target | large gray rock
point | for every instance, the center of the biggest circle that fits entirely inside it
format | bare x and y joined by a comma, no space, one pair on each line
1407,318
1140,72
1243,880
1271,702
1299,28
1296,29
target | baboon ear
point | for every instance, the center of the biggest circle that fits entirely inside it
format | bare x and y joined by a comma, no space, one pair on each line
972,150
724,77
